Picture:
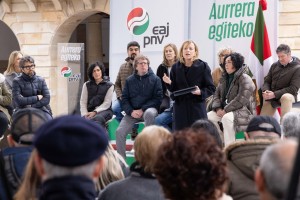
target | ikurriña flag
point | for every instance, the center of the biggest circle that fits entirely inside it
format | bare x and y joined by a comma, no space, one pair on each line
260,59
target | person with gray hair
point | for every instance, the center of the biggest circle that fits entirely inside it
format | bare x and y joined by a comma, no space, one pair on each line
275,167
291,124
282,83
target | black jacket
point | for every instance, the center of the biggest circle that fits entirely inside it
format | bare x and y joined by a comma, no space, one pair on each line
25,90
68,187
142,92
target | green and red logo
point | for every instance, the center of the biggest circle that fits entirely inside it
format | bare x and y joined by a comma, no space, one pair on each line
138,21
66,71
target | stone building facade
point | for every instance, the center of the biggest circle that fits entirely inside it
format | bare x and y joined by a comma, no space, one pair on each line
39,25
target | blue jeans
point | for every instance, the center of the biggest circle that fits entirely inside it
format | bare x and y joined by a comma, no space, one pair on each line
117,110
164,119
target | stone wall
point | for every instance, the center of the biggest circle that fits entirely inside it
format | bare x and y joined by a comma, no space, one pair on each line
289,24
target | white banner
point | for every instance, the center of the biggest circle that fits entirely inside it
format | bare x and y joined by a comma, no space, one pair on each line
211,24
70,62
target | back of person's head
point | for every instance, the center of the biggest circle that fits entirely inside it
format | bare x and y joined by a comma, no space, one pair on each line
275,168
25,123
113,167
70,145
191,166
207,127
92,67
263,126
133,44
146,145
291,124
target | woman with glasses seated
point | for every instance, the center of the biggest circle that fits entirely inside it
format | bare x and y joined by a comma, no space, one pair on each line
233,104
30,90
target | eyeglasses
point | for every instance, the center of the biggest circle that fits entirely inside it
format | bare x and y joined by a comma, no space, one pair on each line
29,66
142,63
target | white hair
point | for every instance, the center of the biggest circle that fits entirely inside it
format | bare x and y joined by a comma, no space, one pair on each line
55,171
276,165
291,124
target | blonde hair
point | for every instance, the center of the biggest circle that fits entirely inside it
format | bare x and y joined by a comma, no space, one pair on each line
30,181
112,170
173,46
11,62
147,143
223,50
184,45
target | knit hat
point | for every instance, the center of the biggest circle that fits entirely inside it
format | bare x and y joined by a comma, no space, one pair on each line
70,141
24,124
264,123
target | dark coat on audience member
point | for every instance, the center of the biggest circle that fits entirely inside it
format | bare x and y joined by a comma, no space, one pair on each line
138,185
189,107
25,90
141,92
242,160
240,98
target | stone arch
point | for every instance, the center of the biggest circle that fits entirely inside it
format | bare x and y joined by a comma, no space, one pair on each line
9,42
62,35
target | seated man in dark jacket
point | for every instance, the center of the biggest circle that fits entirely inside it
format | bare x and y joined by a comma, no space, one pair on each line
141,98
30,90
13,159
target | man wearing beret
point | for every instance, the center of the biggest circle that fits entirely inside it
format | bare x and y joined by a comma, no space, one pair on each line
69,157
243,157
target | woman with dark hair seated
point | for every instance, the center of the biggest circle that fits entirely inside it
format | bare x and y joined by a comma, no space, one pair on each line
96,95
191,166
233,104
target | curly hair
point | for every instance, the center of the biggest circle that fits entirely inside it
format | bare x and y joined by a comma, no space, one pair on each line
91,69
191,166
237,60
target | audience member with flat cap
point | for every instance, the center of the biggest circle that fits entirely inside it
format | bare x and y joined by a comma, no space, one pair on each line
24,124
70,157
243,157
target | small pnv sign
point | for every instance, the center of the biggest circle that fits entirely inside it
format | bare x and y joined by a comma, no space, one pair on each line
66,71
138,21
